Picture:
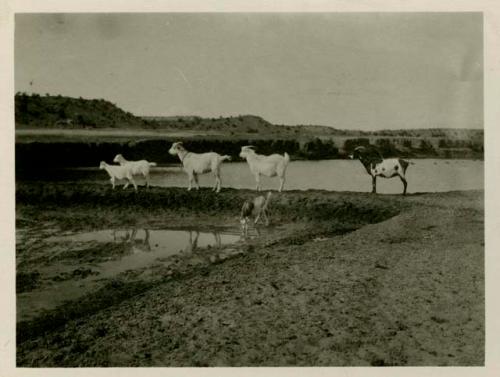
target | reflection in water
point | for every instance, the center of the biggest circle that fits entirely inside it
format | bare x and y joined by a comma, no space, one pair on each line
194,235
146,240
130,237
123,250
250,232
134,252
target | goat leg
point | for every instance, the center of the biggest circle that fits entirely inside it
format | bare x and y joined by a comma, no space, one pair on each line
405,184
131,179
266,218
214,187
374,184
218,184
257,219
282,183
257,179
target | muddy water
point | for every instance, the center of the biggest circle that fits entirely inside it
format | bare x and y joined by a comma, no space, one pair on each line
67,266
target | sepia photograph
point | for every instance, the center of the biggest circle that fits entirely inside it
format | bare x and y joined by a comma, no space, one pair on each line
246,189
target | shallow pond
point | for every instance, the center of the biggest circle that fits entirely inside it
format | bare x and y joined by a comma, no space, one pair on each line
70,265
424,175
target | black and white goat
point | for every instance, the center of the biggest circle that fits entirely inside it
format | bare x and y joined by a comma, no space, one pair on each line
377,166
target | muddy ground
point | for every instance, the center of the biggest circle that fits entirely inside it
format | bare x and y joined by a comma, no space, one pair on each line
341,279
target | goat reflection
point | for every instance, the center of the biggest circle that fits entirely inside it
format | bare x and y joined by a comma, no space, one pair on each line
134,243
129,238
193,241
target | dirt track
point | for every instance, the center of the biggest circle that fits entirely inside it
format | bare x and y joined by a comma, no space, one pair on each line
408,290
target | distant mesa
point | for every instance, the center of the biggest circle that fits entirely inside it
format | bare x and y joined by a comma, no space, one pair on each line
44,112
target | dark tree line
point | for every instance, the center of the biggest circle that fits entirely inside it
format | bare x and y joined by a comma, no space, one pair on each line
70,154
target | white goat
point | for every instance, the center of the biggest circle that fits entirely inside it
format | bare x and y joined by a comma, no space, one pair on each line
377,166
270,166
118,172
199,163
140,167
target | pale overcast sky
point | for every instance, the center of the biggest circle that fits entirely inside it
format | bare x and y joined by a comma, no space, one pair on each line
354,71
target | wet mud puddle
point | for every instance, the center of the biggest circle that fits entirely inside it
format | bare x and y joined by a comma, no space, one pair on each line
53,269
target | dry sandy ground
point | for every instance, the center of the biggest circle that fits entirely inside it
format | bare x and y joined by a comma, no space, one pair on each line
405,291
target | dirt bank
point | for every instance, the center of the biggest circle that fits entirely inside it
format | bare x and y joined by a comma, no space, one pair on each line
347,279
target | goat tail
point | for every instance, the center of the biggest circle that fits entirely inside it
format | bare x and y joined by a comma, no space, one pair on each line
152,163
404,164
225,157
287,158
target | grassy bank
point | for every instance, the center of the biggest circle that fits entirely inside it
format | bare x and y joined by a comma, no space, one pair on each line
292,205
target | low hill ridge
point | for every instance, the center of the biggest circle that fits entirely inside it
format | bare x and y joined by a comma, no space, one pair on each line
61,112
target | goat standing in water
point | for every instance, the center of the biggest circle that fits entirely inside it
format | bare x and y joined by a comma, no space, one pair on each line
257,208
377,166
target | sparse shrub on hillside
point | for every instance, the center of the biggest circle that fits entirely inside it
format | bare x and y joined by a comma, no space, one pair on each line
54,111
319,150
387,148
407,143
443,143
476,146
438,133
350,144
427,147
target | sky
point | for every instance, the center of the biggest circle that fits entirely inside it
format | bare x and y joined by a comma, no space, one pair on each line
347,70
